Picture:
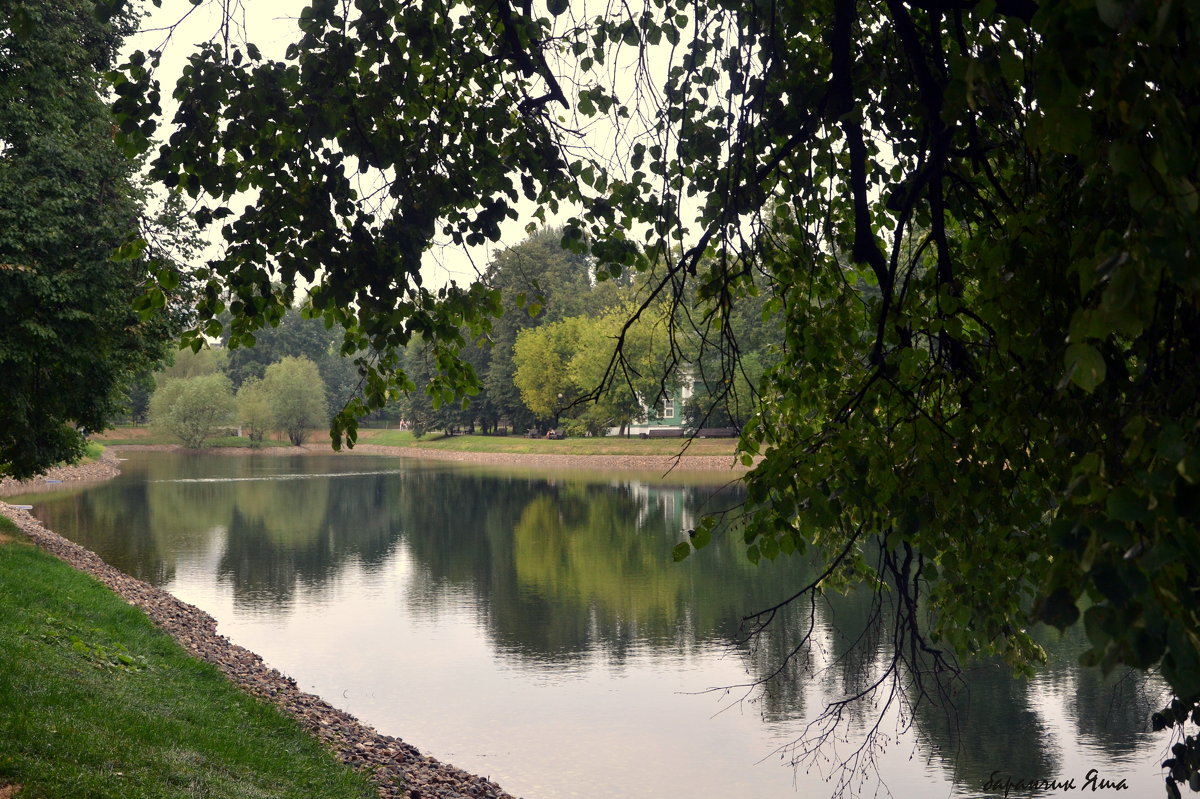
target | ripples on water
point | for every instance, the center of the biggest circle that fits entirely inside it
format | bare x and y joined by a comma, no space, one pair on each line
276,477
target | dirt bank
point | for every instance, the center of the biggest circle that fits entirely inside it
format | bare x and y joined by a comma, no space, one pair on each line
400,770
533,460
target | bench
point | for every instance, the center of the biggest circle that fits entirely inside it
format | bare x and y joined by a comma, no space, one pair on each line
717,432
665,432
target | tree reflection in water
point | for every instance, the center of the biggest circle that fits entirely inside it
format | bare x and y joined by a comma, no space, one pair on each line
560,568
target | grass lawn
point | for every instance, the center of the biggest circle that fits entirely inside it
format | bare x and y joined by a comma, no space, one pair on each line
96,702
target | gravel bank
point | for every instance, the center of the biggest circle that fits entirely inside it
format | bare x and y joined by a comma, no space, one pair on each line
105,468
400,770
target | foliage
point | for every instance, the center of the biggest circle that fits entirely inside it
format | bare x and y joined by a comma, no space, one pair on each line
70,272
296,394
186,363
539,282
990,325
192,408
729,357
542,357
138,394
299,335
567,367
254,411
425,406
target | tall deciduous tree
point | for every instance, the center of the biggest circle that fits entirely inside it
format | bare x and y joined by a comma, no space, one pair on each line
979,220
193,408
540,282
296,394
566,368
299,336
70,341
254,411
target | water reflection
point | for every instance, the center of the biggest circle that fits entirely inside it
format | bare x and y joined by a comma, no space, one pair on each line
530,614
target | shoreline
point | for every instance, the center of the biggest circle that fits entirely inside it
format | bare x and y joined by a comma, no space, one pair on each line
687,463
398,769
106,467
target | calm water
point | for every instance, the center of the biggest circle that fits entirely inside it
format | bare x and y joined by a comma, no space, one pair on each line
531,627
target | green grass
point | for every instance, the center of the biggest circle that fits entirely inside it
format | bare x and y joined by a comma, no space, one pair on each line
96,702
609,445
92,451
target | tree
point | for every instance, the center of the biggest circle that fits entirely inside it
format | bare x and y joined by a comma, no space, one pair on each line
427,404
297,397
186,363
254,411
539,282
294,335
565,368
728,357
301,336
192,408
990,322
541,357
71,343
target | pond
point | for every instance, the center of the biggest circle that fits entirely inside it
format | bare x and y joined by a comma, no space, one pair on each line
531,627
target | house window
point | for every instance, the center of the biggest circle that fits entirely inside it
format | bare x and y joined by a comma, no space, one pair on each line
668,407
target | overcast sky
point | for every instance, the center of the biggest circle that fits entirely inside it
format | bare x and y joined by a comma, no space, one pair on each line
177,27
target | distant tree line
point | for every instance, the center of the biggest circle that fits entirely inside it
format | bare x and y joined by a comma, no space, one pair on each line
547,362
291,381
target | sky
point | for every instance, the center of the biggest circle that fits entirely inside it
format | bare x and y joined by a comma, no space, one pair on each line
177,27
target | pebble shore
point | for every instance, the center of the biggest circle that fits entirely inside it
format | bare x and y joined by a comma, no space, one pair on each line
398,769
105,468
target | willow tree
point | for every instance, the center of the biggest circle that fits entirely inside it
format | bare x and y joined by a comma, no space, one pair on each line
977,221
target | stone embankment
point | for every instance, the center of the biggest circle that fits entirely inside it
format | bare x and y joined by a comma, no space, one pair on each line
399,770
106,467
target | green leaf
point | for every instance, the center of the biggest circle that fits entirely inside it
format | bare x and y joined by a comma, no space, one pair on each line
1058,609
681,551
1085,366
1112,12
1125,505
